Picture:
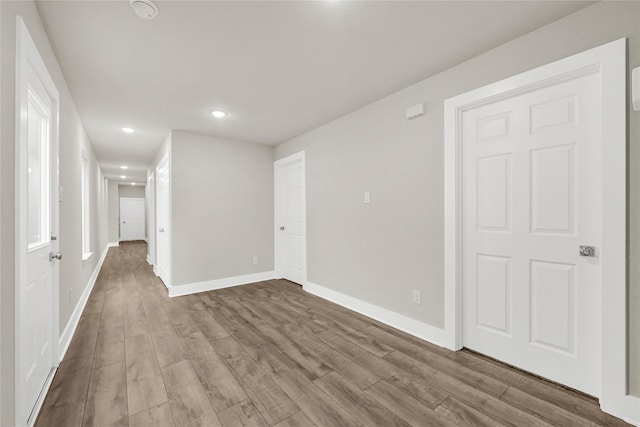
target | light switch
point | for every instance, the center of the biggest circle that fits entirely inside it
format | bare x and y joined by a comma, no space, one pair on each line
367,197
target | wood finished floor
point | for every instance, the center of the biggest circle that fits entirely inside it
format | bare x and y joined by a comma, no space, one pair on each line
269,354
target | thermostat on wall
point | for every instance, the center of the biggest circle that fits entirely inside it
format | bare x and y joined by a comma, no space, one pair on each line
415,111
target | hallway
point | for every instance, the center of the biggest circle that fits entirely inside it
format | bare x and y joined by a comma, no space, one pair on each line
270,354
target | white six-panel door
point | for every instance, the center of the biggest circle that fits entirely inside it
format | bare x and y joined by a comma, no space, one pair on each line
290,218
531,197
131,218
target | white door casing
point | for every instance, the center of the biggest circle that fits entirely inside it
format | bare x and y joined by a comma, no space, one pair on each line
290,218
131,218
36,328
151,209
163,216
531,197
608,62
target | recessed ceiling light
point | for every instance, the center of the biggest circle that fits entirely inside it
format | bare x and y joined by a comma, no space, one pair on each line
133,183
124,167
128,130
123,177
218,114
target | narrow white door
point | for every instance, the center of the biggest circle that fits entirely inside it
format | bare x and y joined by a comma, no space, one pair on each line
131,219
532,185
36,231
290,218
163,216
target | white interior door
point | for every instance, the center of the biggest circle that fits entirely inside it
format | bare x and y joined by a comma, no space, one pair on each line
36,231
163,216
290,218
131,219
531,198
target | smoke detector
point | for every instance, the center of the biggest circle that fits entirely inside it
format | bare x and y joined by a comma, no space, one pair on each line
145,9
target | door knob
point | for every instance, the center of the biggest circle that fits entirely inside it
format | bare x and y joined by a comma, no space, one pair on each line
282,227
53,256
589,251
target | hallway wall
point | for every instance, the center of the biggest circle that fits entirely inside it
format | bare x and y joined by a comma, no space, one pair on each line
222,208
379,252
74,273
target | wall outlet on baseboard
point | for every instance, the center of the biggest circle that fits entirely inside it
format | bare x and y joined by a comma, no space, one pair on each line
254,260
417,297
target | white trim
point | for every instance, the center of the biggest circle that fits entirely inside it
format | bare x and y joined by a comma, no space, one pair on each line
27,56
149,259
406,324
72,324
609,61
227,282
86,256
293,158
113,244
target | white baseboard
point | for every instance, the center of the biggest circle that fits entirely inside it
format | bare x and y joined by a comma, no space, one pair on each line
149,260
210,285
113,244
406,324
72,324
625,407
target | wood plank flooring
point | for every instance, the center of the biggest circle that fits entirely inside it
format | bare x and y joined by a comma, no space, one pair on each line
269,354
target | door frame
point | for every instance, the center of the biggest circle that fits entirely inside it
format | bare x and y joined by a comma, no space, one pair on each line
144,204
151,220
286,161
609,60
27,55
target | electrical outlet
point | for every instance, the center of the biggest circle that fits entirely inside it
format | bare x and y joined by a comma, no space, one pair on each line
255,260
417,297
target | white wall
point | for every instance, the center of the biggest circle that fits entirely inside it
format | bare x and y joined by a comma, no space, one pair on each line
380,252
222,207
132,191
74,273
114,211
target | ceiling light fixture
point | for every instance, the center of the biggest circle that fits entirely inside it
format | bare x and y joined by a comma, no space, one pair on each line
128,130
123,177
124,167
133,183
218,114
145,9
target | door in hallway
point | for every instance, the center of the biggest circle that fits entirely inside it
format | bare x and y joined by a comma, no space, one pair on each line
532,219
163,225
131,219
36,228
290,218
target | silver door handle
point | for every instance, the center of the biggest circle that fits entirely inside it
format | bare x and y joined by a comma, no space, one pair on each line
589,251
53,256
282,227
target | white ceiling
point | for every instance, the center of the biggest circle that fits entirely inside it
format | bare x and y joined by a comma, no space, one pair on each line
278,68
